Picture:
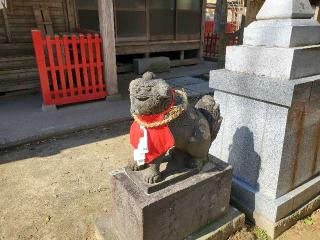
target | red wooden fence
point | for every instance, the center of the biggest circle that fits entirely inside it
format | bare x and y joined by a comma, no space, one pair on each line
70,68
211,41
210,27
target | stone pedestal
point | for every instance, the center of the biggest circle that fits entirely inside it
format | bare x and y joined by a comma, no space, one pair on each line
270,101
172,212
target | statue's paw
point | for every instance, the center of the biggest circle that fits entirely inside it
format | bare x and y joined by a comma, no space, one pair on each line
152,177
195,163
135,167
189,163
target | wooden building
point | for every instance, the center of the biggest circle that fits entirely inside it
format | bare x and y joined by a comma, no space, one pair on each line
140,28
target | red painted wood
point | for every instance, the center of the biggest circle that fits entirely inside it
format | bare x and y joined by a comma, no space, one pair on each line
91,64
60,65
41,62
52,67
74,83
84,63
66,43
76,63
99,62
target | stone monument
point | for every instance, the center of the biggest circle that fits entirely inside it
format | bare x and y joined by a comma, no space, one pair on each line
269,94
174,189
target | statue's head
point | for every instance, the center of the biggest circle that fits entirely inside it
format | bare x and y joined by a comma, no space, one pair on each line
149,95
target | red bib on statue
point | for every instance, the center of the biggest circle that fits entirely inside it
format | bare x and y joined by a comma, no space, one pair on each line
150,143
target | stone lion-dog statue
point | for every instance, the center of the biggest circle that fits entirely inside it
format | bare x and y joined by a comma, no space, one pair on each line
165,123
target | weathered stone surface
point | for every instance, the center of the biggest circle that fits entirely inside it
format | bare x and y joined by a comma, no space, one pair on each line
277,9
273,209
289,63
257,87
221,229
275,229
270,102
282,33
171,213
155,64
193,127
172,172
247,141
273,147
247,138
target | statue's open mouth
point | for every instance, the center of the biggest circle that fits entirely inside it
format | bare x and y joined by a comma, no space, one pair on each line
142,99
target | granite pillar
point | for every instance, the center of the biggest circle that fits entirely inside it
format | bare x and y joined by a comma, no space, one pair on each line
270,100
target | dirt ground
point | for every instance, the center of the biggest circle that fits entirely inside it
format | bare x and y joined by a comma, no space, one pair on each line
55,188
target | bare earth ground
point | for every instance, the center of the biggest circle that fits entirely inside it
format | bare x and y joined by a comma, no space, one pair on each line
54,189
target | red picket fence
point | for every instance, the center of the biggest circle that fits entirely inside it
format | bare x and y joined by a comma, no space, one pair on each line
211,44
210,27
70,68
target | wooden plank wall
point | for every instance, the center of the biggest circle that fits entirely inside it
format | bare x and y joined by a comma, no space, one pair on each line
21,17
3,36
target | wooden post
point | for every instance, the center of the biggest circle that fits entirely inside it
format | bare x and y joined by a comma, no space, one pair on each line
6,24
71,15
203,22
251,9
106,18
42,68
221,24
243,20
317,12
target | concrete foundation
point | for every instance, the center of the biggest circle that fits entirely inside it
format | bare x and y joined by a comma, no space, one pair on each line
175,211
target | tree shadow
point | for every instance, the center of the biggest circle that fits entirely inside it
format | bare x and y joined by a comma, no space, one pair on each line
245,161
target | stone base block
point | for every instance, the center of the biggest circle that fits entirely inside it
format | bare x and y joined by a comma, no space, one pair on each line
282,33
277,216
220,229
289,63
173,212
156,64
274,151
274,209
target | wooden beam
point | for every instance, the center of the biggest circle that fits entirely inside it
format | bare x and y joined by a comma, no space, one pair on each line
317,12
252,9
6,25
106,18
203,22
71,15
221,20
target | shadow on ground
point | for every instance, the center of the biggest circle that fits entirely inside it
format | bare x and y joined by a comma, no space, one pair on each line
53,146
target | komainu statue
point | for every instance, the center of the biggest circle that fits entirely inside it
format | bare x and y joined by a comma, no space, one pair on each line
166,124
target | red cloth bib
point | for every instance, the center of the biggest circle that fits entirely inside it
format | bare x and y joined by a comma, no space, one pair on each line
159,139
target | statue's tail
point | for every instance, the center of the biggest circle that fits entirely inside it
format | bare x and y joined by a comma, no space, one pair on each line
211,110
